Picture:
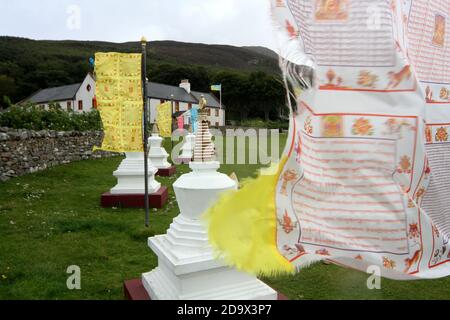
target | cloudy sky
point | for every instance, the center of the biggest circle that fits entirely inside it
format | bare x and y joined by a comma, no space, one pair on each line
234,22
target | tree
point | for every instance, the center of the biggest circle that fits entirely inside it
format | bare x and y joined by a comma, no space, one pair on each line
173,74
5,103
7,86
267,94
275,97
236,93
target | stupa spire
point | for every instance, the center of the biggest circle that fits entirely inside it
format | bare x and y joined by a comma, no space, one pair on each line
155,129
204,147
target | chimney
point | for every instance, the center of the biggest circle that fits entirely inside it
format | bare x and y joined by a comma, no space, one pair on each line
185,85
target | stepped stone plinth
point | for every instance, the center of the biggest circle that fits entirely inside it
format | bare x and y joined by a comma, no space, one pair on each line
187,150
158,156
130,189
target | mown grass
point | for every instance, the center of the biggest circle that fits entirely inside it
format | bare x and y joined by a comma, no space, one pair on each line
51,220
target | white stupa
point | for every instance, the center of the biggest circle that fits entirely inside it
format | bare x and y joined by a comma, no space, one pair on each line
130,189
187,268
187,150
157,154
130,176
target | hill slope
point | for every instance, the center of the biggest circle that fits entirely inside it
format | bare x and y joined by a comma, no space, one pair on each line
32,64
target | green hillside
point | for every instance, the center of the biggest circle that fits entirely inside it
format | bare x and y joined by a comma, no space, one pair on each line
28,65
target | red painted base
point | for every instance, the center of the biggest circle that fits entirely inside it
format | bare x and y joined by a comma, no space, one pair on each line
167,172
134,290
157,199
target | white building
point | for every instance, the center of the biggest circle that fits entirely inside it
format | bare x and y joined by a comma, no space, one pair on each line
78,97
183,100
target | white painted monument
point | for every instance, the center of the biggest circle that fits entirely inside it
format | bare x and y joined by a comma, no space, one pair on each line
187,150
130,176
187,268
158,155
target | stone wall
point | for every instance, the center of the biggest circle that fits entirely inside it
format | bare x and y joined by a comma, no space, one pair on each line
26,151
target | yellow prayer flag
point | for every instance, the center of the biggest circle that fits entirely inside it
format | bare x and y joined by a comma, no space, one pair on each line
119,99
164,119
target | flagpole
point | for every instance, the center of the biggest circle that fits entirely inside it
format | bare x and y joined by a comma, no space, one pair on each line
220,109
171,108
144,91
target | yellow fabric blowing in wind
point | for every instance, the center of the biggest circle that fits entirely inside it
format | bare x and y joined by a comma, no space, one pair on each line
164,119
243,226
120,101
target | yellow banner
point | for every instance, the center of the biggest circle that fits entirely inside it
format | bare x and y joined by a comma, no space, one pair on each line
119,99
164,119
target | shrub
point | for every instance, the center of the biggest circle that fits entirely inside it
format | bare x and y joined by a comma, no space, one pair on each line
6,103
33,118
258,123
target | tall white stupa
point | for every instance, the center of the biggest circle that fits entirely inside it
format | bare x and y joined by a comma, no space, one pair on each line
130,175
187,268
130,189
187,150
158,155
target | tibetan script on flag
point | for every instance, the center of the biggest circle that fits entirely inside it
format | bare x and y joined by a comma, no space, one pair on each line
120,102
164,119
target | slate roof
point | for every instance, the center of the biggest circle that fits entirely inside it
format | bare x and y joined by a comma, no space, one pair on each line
55,94
154,90
164,91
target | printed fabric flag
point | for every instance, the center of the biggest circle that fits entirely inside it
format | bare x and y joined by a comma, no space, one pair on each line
164,119
216,87
180,122
365,176
194,119
119,101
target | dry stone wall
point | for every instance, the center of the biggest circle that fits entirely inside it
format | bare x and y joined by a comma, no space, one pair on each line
26,151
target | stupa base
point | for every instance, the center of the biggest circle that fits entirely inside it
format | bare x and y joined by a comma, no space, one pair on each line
167,172
134,290
157,200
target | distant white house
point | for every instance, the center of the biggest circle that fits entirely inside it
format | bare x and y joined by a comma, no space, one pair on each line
183,100
78,97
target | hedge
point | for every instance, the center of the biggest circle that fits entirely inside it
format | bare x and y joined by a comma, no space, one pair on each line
34,118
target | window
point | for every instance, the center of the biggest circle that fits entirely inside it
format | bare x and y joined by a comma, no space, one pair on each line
217,112
88,88
177,106
190,106
209,112
80,105
217,124
69,105
94,102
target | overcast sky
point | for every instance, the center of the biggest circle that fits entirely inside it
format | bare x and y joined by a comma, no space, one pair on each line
234,22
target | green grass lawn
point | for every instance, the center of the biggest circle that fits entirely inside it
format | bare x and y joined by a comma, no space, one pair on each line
52,219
